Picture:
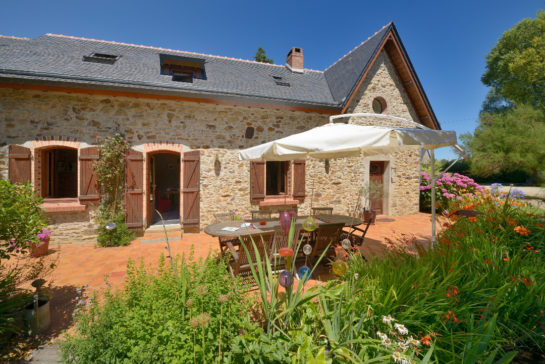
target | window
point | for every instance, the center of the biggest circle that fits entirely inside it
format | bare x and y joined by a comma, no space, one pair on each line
271,179
59,171
379,105
277,178
182,69
101,58
279,80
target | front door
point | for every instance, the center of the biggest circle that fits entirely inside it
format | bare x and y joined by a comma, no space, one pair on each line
376,186
164,188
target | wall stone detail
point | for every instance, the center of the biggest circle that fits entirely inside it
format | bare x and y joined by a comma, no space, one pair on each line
219,132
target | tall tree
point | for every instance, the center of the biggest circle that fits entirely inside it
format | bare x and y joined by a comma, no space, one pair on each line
261,56
509,141
515,67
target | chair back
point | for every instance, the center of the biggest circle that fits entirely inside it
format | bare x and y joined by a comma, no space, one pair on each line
263,243
260,214
322,211
281,240
326,235
224,216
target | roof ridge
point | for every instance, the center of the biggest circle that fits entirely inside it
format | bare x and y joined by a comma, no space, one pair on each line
13,37
169,50
359,45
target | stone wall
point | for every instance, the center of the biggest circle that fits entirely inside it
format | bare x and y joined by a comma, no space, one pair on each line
219,132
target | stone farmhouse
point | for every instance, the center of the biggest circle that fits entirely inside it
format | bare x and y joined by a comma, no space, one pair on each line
186,116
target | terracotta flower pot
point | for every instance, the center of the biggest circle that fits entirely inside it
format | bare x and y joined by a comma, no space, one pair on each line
40,250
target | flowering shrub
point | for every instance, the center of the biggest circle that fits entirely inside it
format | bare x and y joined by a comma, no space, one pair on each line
448,188
483,279
21,218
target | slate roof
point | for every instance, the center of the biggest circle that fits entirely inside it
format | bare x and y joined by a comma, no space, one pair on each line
58,60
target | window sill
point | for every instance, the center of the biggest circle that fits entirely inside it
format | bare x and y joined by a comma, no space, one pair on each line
62,205
278,201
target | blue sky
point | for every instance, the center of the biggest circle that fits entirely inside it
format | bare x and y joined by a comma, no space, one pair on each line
446,41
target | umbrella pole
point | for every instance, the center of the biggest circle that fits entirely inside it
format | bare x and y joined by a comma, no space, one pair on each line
433,238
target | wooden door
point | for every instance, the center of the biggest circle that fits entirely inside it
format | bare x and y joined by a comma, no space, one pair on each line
134,192
376,186
191,191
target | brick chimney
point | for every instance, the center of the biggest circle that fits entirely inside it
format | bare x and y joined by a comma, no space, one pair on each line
294,59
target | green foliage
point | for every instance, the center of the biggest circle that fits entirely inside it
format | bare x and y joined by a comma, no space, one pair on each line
261,56
514,67
110,170
119,236
12,300
507,142
21,218
480,290
190,317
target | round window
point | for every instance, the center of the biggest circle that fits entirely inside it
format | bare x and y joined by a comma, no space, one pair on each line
379,105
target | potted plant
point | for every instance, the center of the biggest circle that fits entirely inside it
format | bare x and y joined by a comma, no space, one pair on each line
373,190
41,247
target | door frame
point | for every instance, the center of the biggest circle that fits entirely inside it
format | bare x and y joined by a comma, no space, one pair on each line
148,157
387,178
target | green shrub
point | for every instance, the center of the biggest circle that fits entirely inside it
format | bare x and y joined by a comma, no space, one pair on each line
21,218
118,236
162,317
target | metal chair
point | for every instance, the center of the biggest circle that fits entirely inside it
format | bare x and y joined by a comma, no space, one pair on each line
322,211
261,214
355,234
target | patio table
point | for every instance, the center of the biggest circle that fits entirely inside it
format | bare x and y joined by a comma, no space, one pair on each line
219,229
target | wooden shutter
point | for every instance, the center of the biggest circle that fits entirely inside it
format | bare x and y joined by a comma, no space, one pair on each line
191,190
257,180
134,192
19,164
299,179
89,193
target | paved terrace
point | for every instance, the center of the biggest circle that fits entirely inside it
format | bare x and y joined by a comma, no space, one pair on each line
84,264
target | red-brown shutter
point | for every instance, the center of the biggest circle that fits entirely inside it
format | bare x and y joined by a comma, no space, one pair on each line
89,193
299,179
257,180
134,193
191,190
19,164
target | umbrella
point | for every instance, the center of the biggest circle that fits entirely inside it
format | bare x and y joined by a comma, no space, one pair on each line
338,140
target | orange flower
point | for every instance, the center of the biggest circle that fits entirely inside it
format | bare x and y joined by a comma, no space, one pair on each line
450,315
540,226
452,291
521,230
471,219
426,340
506,257
511,222
527,281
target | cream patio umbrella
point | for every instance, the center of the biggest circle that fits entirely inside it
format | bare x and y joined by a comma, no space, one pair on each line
338,140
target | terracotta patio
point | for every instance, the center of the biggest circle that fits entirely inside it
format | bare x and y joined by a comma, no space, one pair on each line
78,265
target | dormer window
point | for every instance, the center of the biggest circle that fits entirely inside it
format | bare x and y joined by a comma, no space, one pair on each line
182,69
279,80
101,58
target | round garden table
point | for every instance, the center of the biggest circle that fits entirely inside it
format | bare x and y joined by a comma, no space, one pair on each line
228,228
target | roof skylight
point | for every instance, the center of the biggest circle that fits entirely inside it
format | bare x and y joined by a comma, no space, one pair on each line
101,58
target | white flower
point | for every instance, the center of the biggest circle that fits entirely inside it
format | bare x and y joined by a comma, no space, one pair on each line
413,342
386,342
382,335
387,319
405,361
401,328
397,357
403,346
356,276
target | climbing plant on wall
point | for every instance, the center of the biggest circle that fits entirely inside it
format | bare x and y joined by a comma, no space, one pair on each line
110,170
